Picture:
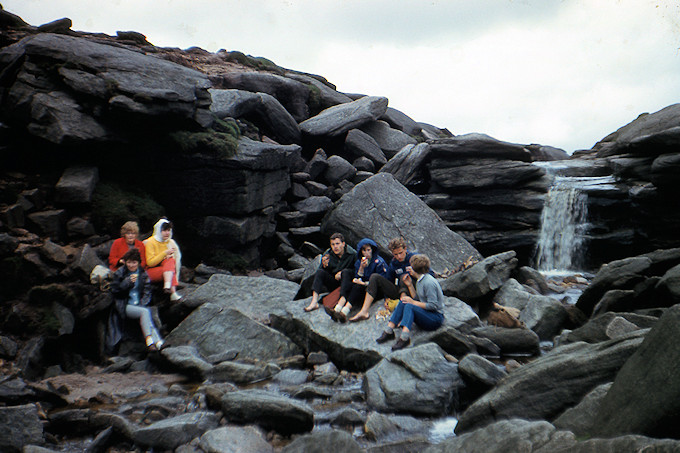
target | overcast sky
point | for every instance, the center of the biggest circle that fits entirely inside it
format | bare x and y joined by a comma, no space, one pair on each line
561,73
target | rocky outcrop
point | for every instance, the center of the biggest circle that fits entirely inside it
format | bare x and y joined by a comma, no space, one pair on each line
383,209
531,392
389,384
119,80
629,407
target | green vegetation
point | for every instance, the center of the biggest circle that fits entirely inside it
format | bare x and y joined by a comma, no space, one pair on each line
113,206
220,142
314,101
46,294
227,260
260,63
212,143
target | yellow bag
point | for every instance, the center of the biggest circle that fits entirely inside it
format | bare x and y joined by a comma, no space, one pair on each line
391,304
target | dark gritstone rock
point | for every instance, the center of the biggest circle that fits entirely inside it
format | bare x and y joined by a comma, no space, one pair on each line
382,209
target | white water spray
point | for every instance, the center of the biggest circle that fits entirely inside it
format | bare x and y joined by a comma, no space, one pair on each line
561,244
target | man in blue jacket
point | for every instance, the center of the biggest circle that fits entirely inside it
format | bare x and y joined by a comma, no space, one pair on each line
392,285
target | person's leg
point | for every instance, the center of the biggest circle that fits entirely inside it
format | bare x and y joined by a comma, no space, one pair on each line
404,339
322,279
426,319
395,319
151,335
346,276
377,285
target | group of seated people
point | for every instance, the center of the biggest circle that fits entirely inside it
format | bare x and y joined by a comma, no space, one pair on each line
365,277
135,265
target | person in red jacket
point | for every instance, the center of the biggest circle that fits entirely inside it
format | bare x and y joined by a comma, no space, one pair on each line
128,232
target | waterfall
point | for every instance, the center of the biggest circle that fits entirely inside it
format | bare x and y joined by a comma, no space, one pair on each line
561,243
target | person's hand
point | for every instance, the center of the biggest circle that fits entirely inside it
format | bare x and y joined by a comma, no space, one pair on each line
133,278
363,263
338,275
407,280
169,253
325,260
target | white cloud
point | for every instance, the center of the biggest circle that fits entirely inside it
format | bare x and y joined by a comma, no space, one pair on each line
558,72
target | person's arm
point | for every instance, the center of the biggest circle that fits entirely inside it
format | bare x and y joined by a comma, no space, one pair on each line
115,254
431,295
146,297
142,251
120,283
155,253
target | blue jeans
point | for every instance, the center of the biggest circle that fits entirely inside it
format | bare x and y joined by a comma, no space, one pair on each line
405,314
145,321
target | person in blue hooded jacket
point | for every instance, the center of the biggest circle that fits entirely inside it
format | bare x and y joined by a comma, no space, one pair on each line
369,263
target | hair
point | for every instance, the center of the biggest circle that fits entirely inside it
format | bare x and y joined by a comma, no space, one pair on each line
420,263
166,226
396,243
132,255
129,227
338,236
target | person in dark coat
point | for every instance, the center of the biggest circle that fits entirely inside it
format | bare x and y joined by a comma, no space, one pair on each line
368,262
334,260
131,290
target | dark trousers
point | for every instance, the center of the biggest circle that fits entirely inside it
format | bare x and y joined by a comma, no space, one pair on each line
379,286
325,280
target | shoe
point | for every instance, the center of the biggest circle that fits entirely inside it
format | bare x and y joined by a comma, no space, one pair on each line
401,344
159,344
332,313
340,316
152,348
175,296
167,288
384,337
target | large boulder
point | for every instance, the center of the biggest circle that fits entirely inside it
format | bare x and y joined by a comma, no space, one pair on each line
543,314
256,177
341,118
116,81
335,440
417,380
292,94
645,396
382,209
544,388
76,185
261,108
482,278
408,165
235,439
268,410
390,140
542,437
20,426
172,432
360,144
215,329
647,130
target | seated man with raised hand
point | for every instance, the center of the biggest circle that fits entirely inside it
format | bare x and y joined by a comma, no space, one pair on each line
334,260
391,285
423,305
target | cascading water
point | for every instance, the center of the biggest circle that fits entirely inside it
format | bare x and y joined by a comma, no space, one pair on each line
561,243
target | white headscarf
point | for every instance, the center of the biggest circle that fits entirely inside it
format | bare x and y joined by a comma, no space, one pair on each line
170,241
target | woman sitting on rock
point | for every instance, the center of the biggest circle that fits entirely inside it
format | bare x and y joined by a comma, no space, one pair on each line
164,258
424,306
368,263
127,240
131,289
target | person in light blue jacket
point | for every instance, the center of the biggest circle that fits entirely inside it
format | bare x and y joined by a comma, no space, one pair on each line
424,305
368,263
